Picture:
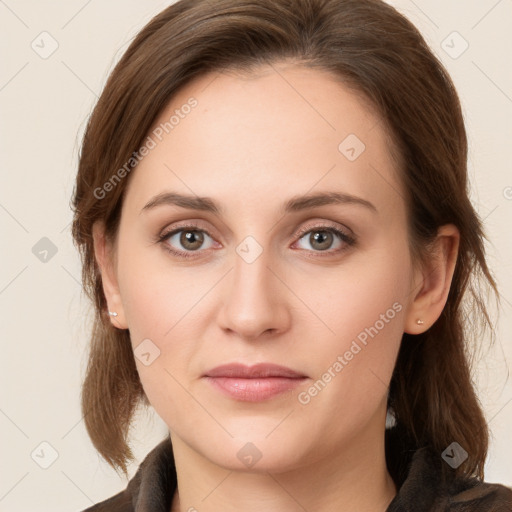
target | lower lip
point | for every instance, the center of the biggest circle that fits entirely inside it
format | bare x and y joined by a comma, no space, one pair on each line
255,389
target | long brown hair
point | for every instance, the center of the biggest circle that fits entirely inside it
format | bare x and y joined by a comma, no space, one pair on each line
377,52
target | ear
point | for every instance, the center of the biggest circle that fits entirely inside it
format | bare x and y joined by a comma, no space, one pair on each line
432,282
105,257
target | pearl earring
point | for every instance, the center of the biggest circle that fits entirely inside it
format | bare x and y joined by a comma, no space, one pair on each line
419,322
112,313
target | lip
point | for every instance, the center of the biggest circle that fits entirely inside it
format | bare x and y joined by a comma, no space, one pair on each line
261,370
253,383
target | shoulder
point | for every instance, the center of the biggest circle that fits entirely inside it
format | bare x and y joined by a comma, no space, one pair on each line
472,494
151,488
121,502
428,487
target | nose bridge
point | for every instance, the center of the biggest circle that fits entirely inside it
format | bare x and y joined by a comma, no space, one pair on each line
254,303
251,273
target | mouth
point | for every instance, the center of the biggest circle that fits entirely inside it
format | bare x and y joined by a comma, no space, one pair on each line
253,383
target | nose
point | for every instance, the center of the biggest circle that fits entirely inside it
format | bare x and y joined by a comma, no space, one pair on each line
255,302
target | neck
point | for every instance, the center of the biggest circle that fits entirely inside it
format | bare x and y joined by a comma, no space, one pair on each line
354,479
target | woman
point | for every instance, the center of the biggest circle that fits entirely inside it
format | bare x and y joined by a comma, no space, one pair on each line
272,210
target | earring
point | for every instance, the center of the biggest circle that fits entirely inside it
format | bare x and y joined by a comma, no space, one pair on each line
420,322
112,313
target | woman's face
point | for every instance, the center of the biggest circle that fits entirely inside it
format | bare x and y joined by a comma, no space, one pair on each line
320,286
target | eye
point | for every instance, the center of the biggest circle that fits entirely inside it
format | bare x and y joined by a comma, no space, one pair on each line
322,238
185,240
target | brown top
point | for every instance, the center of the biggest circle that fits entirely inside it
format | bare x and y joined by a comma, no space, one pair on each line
152,487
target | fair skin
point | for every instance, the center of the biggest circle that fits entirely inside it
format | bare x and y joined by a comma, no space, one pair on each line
251,144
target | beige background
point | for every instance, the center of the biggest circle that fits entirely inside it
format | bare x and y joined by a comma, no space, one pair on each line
44,104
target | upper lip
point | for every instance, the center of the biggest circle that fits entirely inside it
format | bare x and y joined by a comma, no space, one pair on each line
260,370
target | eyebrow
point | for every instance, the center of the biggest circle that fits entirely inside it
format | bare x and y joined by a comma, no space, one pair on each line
294,204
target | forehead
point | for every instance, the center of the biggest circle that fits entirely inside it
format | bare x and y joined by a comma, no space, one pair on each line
284,127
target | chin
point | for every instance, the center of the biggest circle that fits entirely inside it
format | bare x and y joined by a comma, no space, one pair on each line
255,450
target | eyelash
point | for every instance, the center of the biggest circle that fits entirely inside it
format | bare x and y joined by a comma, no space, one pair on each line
344,237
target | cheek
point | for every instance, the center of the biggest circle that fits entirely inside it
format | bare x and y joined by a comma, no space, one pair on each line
351,383
156,302
353,297
159,310
156,296
364,311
